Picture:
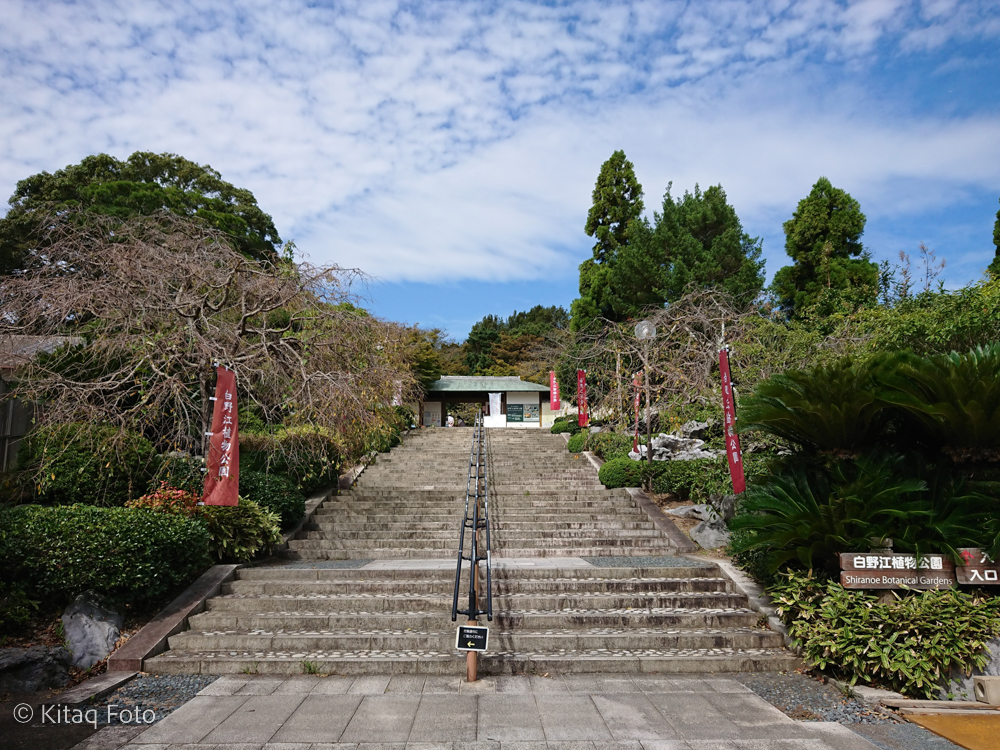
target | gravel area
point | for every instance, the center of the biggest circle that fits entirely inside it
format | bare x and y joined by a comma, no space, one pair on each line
806,699
644,562
158,693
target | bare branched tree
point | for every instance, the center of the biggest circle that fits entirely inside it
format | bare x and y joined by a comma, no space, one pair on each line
683,357
160,299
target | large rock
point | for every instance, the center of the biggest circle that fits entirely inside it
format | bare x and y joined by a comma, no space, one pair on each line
28,670
91,629
695,429
711,534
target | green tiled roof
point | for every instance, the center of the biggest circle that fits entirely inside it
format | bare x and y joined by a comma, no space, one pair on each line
489,384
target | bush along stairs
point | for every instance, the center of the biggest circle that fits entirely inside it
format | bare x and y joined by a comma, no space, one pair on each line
582,580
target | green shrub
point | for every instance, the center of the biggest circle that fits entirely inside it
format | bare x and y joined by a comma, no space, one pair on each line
559,426
16,608
576,442
167,499
275,493
609,445
89,464
181,471
310,457
908,645
621,472
239,533
696,479
133,556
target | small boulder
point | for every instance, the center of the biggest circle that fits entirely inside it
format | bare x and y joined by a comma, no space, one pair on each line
701,512
28,670
711,534
91,629
695,429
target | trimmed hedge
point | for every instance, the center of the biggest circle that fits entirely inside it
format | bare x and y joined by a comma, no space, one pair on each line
275,493
86,463
576,443
132,556
695,479
620,472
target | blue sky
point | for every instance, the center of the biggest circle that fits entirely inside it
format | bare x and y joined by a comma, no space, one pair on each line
449,149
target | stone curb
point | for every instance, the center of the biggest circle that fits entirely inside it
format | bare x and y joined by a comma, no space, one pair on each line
759,601
152,639
868,695
653,511
312,505
95,687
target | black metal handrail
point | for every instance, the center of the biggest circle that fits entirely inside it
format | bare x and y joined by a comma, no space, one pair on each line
476,518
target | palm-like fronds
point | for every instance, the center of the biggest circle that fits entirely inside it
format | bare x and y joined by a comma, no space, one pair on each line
955,398
831,408
812,515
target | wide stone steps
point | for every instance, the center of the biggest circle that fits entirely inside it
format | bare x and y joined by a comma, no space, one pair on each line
556,617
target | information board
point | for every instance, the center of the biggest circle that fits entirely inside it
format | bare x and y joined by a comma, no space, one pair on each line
472,638
896,571
515,412
530,412
978,569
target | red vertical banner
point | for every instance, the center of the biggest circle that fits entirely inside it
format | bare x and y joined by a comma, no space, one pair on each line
222,480
581,398
554,402
733,452
637,385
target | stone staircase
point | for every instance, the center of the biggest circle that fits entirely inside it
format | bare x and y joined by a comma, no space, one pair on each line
637,607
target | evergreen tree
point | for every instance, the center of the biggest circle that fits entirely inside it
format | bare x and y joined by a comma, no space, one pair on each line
823,238
696,241
995,265
617,203
142,185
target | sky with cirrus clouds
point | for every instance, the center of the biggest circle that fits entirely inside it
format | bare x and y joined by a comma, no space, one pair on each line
449,149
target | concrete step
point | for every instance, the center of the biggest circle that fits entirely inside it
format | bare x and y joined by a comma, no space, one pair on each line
664,661
296,641
676,617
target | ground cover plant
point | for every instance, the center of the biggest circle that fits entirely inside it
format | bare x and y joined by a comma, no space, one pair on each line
909,644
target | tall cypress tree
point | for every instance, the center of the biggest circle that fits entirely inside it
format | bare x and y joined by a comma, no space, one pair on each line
823,238
617,203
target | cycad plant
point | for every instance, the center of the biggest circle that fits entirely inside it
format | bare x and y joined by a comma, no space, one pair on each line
809,513
832,409
954,399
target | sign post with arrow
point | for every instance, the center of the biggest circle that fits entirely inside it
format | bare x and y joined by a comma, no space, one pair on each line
472,638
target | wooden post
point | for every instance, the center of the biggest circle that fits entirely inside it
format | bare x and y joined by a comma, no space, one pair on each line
471,657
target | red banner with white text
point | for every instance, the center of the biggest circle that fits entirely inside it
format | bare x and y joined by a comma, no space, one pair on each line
581,398
554,402
222,480
733,452
637,385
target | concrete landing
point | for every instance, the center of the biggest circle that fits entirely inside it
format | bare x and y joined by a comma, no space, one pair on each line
415,712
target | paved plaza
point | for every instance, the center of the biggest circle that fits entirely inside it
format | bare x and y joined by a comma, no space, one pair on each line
434,712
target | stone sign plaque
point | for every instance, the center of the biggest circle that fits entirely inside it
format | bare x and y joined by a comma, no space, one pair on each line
896,571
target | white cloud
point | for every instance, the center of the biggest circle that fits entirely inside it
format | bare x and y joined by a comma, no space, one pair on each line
458,140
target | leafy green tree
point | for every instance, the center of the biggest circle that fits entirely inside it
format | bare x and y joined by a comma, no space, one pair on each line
142,185
995,265
617,203
479,345
697,241
823,238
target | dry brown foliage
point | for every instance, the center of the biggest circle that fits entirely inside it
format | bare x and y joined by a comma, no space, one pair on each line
160,299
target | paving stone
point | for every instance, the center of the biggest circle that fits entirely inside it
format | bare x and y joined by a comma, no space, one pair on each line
509,717
319,718
256,720
193,721
445,718
570,717
631,716
390,717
